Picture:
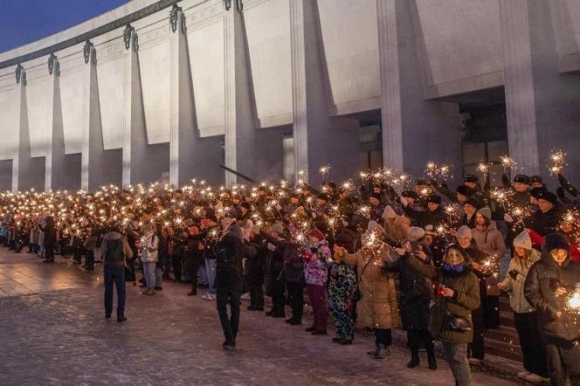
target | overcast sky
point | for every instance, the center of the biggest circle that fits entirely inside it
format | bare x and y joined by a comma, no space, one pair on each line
25,21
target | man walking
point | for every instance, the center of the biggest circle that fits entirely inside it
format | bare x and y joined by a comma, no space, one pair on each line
115,250
229,280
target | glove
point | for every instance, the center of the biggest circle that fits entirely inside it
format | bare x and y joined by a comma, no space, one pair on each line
444,185
561,192
404,201
508,218
513,274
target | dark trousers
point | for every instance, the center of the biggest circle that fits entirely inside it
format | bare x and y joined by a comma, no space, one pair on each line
256,293
192,262
278,292
90,260
77,255
114,276
563,361
317,295
383,336
415,337
529,333
476,349
492,312
49,251
296,299
230,324
176,263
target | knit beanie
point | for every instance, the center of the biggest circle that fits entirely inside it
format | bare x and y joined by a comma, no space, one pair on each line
485,212
523,240
464,232
416,233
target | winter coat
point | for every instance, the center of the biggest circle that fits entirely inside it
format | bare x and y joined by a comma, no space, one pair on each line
255,266
293,264
515,287
466,299
435,218
539,287
490,241
544,223
233,280
415,292
90,243
150,248
316,267
341,285
378,307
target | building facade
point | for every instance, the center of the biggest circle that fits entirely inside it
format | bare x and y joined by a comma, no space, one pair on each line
173,89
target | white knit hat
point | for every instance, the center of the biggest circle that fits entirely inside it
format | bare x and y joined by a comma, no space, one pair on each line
523,240
464,232
416,233
389,213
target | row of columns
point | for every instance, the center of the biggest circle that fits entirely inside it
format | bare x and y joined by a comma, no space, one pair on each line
415,130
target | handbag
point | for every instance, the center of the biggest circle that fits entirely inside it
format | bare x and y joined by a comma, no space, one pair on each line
458,323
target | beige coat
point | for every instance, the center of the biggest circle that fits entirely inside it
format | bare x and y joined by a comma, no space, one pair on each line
378,307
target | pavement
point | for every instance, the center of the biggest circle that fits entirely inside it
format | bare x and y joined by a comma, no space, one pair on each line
53,332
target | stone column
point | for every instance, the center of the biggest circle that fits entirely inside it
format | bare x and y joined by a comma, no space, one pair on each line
257,154
189,155
142,163
98,167
318,139
62,171
542,105
414,130
27,172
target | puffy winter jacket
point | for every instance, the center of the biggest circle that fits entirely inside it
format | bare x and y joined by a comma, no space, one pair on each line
515,287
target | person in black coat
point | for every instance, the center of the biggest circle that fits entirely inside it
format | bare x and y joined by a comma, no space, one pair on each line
276,287
415,296
551,281
255,270
547,219
229,281
49,239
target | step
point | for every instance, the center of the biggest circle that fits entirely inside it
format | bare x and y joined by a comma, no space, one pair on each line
503,334
504,350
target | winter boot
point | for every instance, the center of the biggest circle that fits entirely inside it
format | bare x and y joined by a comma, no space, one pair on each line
383,353
375,351
432,361
414,362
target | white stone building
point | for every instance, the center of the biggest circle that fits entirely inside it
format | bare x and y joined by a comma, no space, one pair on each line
270,87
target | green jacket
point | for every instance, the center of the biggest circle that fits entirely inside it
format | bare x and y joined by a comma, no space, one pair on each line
466,299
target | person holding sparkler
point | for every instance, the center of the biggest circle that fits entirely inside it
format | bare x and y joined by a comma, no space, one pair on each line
549,284
457,296
378,307
416,295
490,241
525,316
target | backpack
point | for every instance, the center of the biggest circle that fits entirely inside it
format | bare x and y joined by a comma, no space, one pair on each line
114,252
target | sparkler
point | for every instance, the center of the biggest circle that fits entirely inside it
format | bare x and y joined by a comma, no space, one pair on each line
507,163
558,159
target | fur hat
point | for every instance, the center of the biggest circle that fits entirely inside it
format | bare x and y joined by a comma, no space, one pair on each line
522,178
547,196
537,179
409,193
485,212
555,241
434,199
535,192
523,240
464,232
246,205
416,233
473,202
316,233
420,182
376,195
389,213
278,228
464,190
471,178
322,196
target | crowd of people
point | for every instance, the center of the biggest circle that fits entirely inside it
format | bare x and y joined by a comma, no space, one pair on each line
389,252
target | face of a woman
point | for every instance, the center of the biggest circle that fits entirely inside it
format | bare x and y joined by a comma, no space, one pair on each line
479,219
453,257
521,252
566,227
